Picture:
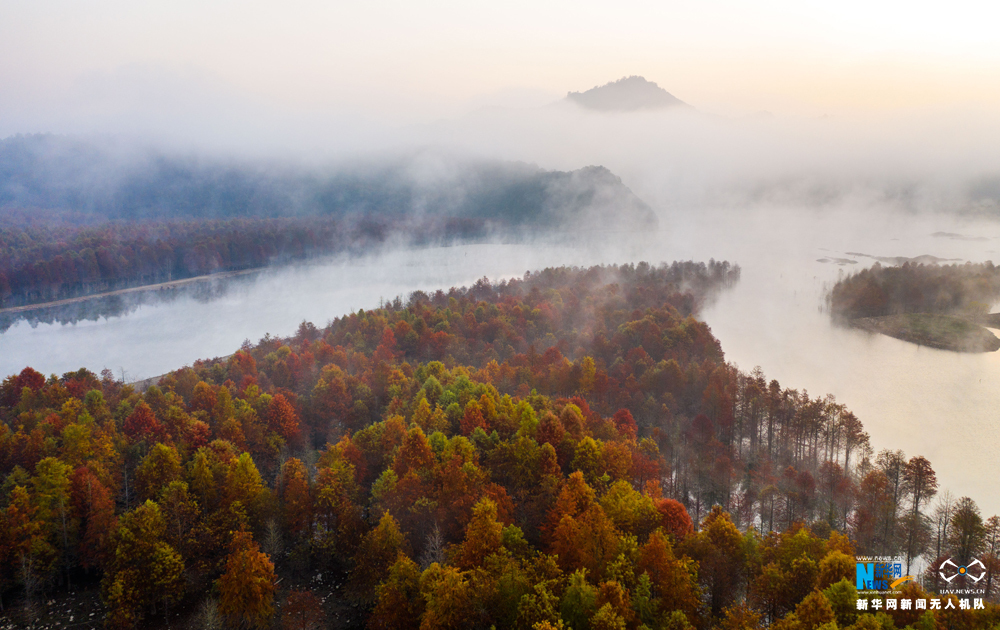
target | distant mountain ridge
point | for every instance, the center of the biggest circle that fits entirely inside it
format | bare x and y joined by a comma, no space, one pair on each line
625,95
105,180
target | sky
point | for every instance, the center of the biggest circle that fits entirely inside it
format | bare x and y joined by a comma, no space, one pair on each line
72,66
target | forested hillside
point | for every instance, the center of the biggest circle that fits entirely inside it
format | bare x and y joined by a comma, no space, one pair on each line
112,179
566,450
80,216
46,261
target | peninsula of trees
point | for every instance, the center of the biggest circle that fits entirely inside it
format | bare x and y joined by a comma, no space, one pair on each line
565,450
942,306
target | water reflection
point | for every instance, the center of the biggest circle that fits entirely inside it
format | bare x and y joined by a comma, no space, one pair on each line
122,303
146,334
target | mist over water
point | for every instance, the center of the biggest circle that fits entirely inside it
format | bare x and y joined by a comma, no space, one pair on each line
939,404
774,195
160,337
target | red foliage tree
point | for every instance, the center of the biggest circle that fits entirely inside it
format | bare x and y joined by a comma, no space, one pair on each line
282,419
625,423
675,518
296,498
94,506
142,424
247,586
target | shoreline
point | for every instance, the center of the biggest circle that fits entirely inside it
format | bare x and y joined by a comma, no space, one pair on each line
160,286
942,332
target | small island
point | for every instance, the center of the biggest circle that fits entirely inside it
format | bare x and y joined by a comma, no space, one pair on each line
939,306
936,331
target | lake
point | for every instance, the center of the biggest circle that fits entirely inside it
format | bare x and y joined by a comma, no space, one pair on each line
943,405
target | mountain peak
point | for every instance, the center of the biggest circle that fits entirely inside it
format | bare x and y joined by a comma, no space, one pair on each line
624,95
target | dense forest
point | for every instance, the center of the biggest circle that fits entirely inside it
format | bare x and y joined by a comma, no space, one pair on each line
565,450
51,261
80,216
967,290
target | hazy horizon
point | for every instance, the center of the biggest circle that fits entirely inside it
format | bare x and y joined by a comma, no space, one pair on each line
114,66
890,105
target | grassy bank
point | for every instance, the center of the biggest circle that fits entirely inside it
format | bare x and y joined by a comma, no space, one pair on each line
936,331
